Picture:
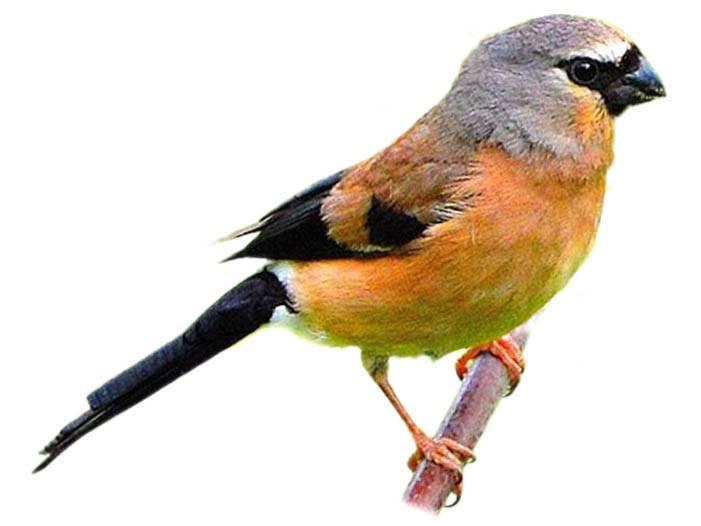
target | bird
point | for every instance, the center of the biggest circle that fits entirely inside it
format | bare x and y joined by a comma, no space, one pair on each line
447,240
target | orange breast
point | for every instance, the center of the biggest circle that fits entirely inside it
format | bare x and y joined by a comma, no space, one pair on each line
472,278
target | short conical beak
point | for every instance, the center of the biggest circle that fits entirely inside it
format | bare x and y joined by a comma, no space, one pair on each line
639,85
646,82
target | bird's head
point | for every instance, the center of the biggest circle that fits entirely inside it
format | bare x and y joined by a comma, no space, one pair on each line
552,82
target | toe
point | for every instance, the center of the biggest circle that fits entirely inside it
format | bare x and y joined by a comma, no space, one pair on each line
458,449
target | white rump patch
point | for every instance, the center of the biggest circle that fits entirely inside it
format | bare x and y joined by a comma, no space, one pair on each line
284,272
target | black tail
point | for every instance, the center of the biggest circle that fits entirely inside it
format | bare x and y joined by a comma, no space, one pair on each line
237,314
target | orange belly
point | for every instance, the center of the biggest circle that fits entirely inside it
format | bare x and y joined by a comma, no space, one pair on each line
472,278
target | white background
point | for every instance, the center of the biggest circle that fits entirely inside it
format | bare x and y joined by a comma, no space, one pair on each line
132,134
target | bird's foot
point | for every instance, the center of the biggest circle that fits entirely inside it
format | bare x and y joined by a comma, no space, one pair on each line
504,348
445,452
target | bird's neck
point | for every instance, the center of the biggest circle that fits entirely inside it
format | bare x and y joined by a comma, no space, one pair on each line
584,144
583,137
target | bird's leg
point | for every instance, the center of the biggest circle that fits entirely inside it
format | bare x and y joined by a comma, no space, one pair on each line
504,348
445,452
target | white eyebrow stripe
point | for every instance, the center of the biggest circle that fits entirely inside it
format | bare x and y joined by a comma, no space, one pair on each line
604,52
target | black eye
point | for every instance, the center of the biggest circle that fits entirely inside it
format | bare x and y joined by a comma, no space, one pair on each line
583,71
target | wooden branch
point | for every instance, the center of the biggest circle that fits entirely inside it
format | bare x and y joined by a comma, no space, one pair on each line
480,392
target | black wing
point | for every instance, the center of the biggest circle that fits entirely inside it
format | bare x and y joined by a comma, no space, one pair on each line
296,230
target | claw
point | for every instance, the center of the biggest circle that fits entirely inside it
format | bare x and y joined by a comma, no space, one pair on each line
457,491
504,348
445,452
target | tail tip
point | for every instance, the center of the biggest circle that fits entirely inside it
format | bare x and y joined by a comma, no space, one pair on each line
48,460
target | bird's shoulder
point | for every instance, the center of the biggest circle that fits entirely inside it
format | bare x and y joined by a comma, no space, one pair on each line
376,207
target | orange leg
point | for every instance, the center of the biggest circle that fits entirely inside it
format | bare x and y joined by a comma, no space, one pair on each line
445,452
504,348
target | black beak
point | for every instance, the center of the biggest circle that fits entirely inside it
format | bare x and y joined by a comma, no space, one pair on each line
640,85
